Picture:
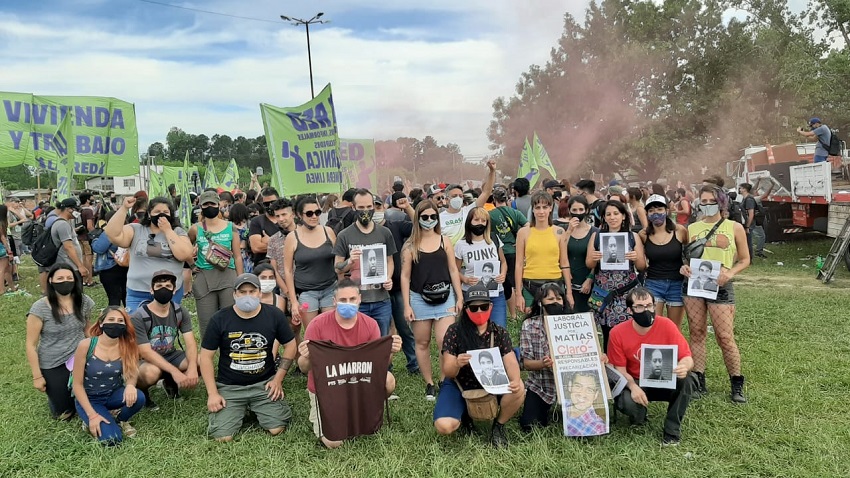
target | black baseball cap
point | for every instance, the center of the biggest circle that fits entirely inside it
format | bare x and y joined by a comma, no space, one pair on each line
477,293
69,202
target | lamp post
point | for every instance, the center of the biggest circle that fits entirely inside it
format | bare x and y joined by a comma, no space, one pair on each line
298,22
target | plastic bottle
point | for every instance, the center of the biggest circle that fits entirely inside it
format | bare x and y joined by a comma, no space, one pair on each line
819,263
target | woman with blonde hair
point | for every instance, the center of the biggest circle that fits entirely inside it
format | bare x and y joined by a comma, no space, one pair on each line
105,370
480,258
430,287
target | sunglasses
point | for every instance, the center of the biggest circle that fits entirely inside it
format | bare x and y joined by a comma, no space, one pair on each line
439,198
268,203
429,217
311,213
479,307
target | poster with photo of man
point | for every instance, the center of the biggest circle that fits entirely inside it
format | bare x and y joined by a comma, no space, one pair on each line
656,366
489,369
614,246
487,272
584,408
373,264
703,280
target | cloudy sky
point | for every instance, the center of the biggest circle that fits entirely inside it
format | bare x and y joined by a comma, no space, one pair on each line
398,67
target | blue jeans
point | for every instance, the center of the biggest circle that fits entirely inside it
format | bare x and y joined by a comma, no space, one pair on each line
381,311
408,345
110,432
135,298
499,314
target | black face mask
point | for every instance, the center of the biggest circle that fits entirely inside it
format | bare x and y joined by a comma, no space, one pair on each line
155,219
478,229
210,212
64,288
580,217
645,318
114,330
364,217
554,309
163,295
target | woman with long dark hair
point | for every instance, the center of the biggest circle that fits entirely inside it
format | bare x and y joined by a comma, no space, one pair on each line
663,241
480,258
474,331
309,264
105,370
727,245
157,242
212,285
615,283
55,325
577,243
430,287
541,251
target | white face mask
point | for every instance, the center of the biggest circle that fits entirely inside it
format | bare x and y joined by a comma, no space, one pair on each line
267,285
378,217
76,214
456,202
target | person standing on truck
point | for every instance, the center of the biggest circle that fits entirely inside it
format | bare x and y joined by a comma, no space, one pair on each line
823,134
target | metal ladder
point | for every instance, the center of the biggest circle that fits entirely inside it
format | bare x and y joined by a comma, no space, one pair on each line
836,253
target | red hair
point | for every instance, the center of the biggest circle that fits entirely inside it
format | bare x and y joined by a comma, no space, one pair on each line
127,346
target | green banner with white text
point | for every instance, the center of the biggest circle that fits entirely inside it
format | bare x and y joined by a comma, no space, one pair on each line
303,144
358,163
105,137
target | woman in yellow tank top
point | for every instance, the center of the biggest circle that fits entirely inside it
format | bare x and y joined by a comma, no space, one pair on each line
541,252
728,245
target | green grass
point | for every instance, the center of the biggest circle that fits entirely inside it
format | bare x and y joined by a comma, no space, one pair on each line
794,336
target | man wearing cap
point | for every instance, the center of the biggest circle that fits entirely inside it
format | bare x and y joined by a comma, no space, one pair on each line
65,238
248,377
435,193
454,217
375,301
822,134
159,326
595,212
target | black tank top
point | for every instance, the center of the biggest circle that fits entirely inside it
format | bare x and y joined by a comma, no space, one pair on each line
664,261
314,266
432,268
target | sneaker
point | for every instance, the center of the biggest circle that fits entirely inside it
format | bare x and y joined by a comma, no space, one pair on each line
498,438
669,440
392,397
170,386
430,392
149,403
700,390
129,431
737,395
467,426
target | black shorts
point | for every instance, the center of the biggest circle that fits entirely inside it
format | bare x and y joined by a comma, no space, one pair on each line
13,248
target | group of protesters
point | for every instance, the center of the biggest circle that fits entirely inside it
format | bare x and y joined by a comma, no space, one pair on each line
269,274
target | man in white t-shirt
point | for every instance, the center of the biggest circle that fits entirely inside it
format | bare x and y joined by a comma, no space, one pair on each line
453,218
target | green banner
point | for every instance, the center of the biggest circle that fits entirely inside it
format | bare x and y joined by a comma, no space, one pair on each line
210,178
303,143
358,164
528,165
105,136
542,157
65,152
230,180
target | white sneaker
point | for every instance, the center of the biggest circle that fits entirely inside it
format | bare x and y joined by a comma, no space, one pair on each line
392,397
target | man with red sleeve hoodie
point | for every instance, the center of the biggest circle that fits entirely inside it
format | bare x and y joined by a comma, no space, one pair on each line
624,353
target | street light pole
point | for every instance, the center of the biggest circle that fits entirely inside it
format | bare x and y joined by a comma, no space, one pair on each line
298,22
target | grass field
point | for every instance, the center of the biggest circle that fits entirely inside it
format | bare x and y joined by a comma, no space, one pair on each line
794,336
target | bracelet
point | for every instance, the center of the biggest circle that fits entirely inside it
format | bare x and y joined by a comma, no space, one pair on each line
565,267
36,378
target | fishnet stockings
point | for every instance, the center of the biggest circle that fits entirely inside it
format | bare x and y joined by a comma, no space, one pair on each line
722,318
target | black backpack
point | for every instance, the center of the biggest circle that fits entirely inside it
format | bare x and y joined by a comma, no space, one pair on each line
44,251
834,146
736,212
145,314
337,222
31,230
759,215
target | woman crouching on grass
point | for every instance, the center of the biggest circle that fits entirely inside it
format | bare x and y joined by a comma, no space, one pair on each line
106,367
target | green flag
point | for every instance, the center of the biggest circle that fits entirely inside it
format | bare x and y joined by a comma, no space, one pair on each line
230,180
302,144
105,137
156,186
185,209
528,165
63,143
542,157
210,179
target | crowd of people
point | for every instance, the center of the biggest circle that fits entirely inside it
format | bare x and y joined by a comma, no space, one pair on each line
268,274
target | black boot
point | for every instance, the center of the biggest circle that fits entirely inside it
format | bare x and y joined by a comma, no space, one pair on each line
498,438
701,390
737,395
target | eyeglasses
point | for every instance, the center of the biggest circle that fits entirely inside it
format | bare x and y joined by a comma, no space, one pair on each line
429,217
478,307
311,213
640,308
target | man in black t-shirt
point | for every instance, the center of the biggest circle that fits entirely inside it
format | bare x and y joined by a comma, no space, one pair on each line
244,337
263,227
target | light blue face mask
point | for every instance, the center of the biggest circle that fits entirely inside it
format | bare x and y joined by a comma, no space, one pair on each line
347,311
247,303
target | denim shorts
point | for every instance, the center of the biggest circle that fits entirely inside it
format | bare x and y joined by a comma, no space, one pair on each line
318,299
668,291
725,294
425,311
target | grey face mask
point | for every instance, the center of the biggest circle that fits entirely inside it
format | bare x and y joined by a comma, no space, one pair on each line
709,209
247,303
456,202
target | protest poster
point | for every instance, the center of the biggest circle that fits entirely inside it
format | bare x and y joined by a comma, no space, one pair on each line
105,140
373,264
303,145
614,246
703,280
487,273
489,369
656,366
580,379
358,163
